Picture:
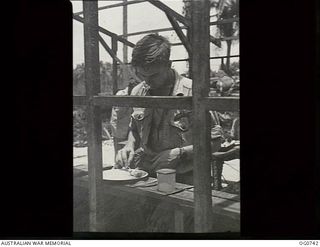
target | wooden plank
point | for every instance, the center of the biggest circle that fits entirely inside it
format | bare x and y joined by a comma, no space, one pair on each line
125,68
223,195
170,11
114,66
187,59
114,56
169,102
151,31
180,34
178,219
125,29
106,32
201,125
109,50
222,206
215,41
92,81
180,18
114,5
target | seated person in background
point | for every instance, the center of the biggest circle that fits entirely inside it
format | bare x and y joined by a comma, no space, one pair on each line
224,83
158,138
228,123
120,119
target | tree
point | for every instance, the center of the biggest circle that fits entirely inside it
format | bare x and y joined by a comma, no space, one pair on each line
227,9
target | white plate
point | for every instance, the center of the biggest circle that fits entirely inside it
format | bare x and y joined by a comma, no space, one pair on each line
121,175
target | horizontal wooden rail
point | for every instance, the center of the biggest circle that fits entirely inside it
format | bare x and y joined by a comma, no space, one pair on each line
106,32
170,12
169,102
187,59
114,5
182,27
151,31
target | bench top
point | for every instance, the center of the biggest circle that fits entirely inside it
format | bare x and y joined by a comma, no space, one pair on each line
223,203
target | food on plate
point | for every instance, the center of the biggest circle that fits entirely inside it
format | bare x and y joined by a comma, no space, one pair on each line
136,173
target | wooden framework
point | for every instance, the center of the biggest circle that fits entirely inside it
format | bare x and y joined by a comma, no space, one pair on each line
199,53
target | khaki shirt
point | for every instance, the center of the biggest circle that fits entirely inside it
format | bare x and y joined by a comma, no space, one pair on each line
159,129
120,119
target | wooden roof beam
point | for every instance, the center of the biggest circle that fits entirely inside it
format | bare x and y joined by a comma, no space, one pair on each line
109,50
106,32
114,5
170,11
114,56
180,18
180,34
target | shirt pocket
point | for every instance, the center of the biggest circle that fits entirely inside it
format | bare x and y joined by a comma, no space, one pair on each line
141,118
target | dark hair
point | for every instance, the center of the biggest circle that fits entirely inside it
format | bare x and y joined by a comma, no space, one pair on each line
151,49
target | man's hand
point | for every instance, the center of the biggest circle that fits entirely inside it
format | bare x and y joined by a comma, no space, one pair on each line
125,156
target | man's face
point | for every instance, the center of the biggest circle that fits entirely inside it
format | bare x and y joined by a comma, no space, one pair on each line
156,76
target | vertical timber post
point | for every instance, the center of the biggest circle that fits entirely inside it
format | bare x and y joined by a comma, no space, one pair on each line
92,80
125,47
114,66
201,124
188,11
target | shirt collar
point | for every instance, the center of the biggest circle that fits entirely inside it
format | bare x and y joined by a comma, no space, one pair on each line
177,88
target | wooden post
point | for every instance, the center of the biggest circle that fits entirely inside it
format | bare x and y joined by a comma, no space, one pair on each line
180,34
201,125
125,30
188,11
92,80
189,37
125,48
178,219
114,47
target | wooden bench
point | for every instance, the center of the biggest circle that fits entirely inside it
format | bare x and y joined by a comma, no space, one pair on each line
225,205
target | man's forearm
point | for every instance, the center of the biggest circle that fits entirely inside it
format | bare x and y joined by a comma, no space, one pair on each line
131,140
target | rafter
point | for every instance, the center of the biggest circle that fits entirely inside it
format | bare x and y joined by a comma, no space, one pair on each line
114,5
178,17
106,32
180,34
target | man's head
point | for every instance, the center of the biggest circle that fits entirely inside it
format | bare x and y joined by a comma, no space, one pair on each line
150,57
